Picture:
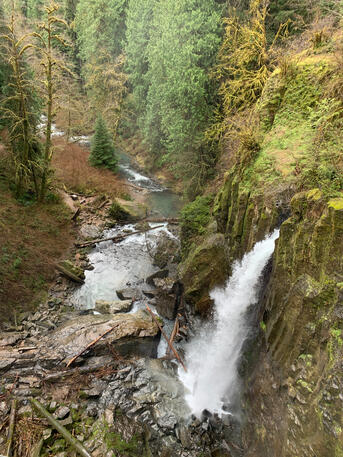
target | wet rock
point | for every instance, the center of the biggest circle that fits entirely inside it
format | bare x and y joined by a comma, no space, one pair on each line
149,293
165,297
161,274
132,334
10,338
166,250
5,364
62,412
182,433
199,273
90,231
128,294
113,307
4,408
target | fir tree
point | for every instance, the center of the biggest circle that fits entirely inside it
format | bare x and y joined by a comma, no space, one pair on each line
102,149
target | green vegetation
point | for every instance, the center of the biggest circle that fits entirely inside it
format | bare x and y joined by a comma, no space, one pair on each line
118,213
102,148
194,219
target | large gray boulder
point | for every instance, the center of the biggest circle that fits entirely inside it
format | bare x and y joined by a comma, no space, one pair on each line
133,334
113,307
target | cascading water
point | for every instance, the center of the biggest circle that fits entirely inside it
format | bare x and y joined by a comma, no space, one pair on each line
212,356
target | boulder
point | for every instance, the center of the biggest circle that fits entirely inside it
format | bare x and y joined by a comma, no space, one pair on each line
113,307
133,334
90,231
166,250
206,267
165,297
128,294
10,338
71,271
160,274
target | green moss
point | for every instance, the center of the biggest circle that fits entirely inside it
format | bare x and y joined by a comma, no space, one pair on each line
114,441
118,213
338,450
336,204
314,194
305,385
194,219
337,334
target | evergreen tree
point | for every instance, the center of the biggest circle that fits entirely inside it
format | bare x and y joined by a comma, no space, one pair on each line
100,24
34,9
184,41
102,148
138,30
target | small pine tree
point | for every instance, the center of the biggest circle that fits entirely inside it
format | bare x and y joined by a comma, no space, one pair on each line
102,148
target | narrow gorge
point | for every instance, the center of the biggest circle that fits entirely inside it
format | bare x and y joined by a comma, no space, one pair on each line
171,228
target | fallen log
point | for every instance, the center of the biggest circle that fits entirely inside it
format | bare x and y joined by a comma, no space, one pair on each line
68,274
90,345
103,204
37,448
166,338
11,429
76,214
79,448
173,334
169,220
115,239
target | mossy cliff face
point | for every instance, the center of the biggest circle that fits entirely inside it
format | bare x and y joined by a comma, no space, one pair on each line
206,266
294,400
245,217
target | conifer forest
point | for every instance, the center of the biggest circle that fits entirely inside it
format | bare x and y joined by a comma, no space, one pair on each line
171,228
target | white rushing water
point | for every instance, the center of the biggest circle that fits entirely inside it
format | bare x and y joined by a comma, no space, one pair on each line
119,266
212,356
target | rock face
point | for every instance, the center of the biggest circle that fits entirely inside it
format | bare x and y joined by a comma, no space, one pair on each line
206,267
166,297
133,334
295,403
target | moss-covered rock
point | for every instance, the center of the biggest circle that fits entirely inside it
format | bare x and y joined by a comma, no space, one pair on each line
303,317
126,211
206,267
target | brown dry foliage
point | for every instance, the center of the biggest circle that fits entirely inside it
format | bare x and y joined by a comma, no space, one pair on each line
32,238
72,169
28,432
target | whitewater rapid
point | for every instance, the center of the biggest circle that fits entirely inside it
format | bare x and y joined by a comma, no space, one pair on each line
211,381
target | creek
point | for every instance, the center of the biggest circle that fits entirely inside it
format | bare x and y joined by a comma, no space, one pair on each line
212,355
128,264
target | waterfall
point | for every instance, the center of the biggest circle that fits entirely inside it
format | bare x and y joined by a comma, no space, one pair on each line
212,356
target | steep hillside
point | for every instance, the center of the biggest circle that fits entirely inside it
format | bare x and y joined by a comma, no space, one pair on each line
288,172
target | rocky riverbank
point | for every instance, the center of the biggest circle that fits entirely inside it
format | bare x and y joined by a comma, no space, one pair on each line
117,397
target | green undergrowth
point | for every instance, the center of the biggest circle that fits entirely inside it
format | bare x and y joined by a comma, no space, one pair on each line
300,129
194,219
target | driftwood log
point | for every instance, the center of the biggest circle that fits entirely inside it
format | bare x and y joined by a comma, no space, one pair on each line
68,274
169,220
11,429
76,214
116,238
173,334
90,345
79,448
166,338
